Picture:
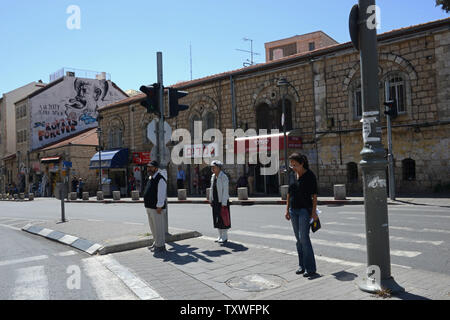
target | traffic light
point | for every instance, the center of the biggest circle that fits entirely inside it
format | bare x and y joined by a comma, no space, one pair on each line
174,107
151,102
391,109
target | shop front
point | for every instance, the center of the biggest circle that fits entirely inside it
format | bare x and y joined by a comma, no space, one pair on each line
137,178
258,183
113,164
50,177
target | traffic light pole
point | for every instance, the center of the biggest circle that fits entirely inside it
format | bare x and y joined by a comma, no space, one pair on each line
160,132
373,161
390,154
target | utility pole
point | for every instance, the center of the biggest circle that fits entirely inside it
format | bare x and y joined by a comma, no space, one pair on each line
162,157
364,37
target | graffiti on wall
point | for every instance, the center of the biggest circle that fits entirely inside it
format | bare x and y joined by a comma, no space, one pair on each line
69,107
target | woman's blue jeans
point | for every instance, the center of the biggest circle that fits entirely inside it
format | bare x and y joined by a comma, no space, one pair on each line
300,222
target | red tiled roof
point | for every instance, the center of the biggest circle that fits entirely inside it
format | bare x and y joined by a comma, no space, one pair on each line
88,138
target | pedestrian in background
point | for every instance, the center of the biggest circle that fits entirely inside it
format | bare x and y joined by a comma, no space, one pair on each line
301,207
155,202
181,176
219,200
80,188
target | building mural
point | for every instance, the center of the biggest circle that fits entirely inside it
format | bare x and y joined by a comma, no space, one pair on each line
68,107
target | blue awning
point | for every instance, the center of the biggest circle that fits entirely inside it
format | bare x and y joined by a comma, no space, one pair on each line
110,159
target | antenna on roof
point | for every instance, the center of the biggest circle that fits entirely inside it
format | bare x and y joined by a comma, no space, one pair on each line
250,63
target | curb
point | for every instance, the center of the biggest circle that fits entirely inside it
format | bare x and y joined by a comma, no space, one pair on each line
93,248
67,239
235,202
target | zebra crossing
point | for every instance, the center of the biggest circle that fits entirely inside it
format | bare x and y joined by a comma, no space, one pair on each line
103,277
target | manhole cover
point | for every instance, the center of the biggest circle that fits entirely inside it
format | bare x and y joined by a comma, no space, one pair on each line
256,282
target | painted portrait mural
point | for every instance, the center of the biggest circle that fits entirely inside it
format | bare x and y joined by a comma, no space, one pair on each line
68,108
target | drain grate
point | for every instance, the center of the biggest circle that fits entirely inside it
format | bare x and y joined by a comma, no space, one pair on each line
256,282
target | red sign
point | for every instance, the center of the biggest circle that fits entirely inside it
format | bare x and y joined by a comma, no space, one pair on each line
264,143
141,157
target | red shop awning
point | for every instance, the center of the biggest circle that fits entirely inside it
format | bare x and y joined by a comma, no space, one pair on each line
50,159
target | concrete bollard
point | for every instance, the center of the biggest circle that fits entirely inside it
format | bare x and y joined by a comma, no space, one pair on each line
339,191
182,194
100,196
4,196
116,195
284,191
207,193
11,197
73,196
135,195
85,196
16,196
31,197
243,193
21,196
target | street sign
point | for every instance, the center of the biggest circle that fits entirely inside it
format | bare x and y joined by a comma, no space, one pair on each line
151,131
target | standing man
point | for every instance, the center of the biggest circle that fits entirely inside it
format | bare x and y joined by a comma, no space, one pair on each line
155,201
181,176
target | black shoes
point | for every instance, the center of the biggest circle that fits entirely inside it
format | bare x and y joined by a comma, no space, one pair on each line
300,271
311,275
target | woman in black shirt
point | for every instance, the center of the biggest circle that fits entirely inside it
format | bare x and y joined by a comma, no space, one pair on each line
301,207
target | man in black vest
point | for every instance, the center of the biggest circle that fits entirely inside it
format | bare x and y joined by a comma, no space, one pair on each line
155,201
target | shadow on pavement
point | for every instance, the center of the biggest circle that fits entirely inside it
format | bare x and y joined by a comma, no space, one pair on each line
182,254
409,296
344,276
236,247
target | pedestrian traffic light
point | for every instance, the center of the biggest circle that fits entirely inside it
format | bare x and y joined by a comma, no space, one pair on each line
151,102
391,109
174,107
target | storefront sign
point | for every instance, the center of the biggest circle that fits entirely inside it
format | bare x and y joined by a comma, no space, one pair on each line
141,157
200,150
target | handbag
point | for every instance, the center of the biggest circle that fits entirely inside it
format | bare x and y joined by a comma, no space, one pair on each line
315,225
225,215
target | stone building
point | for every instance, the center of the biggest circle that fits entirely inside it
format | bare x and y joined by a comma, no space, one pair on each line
323,104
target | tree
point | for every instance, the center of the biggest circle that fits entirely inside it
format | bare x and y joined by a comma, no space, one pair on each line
444,3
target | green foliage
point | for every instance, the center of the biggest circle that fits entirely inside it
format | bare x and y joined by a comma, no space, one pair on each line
444,3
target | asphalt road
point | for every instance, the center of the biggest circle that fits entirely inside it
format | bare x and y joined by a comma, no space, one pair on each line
419,235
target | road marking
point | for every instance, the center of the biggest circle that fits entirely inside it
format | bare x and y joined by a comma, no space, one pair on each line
138,286
9,227
390,227
68,239
107,285
345,245
399,215
31,284
66,253
134,223
361,235
23,260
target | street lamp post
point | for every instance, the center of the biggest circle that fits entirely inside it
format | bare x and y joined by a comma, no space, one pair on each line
373,163
99,133
283,84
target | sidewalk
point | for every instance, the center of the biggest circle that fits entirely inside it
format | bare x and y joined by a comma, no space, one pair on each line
428,201
209,271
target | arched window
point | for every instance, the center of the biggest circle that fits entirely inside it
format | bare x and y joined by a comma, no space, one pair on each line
263,117
409,169
194,118
397,88
209,121
352,172
355,99
115,135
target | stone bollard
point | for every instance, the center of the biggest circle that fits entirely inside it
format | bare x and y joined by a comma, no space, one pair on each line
207,193
4,196
339,191
243,193
85,196
135,195
73,196
284,191
116,195
31,197
182,194
16,196
21,196
100,196
10,197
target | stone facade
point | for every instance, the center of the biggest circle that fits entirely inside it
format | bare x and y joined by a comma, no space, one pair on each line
323,103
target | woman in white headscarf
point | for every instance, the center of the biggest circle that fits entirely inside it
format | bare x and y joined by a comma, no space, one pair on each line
219,198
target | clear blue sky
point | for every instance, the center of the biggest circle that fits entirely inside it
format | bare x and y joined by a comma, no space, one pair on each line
122,37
